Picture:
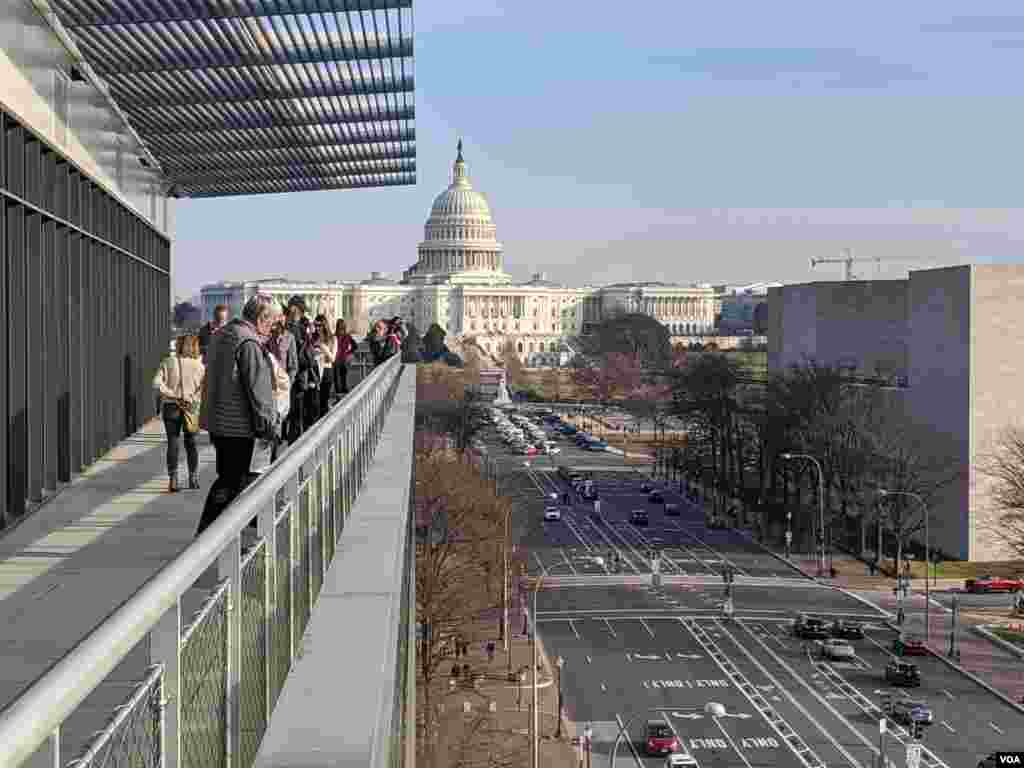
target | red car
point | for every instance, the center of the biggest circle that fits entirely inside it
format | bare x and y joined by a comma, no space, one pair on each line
910,646
993,584
661,740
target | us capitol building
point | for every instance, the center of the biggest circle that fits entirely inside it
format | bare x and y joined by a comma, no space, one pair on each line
459,282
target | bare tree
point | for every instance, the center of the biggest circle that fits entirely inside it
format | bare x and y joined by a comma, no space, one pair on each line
1005,465
515,372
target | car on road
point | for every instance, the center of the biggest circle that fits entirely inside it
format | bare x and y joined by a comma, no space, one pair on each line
672,509
656,497
639,517
848,630
908,712
902,673
679,760
993,584
909,646
810,628
659,739
645,487
836,649
552,514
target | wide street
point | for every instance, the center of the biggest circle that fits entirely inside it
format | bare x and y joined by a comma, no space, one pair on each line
635,652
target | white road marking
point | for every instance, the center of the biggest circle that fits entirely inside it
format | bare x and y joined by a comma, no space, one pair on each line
947,694
604,688
589,661
731,742
609,625
649,630
629,656
572,626
629,742
995,728
568,562
543,570
948,727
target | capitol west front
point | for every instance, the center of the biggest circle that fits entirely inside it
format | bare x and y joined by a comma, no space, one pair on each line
459,282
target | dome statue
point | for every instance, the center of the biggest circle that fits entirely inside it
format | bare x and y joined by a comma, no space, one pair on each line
459,239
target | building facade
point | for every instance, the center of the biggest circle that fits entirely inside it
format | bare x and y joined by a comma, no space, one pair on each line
459,282
85,237
946,339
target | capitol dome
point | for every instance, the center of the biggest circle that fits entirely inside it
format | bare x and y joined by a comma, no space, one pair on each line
459,239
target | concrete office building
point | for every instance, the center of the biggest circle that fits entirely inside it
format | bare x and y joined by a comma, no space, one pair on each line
946,340
85,238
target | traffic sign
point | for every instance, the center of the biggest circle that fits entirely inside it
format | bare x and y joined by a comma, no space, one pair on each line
913,755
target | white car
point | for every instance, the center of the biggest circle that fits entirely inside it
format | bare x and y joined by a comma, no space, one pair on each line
552,514
836,649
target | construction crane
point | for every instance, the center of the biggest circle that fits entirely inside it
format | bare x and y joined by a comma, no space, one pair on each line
847,260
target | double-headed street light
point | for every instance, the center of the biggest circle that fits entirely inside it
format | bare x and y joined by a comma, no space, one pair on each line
559,663
821,505
883,492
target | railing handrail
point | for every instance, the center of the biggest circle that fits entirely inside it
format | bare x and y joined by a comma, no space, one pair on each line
29,720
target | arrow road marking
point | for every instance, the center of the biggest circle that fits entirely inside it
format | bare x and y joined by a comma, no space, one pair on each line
740,715
588,660
689,655
647,656
603,688
687,715
629,657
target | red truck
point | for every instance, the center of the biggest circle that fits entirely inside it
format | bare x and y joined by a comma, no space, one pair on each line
993,584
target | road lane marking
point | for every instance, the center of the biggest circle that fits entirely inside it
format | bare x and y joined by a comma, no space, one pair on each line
629,657
947,694
732,743
588,660
572,626
629,742
568,562
649,630
995,728
609,625
777,723
603,688
948,727
543,570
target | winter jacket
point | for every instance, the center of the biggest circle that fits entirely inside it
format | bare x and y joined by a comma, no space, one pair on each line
283,348
206,333
345,348
238,401
307,372
382,347
179,378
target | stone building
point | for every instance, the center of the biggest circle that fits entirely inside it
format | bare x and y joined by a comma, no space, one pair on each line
459,282
946,340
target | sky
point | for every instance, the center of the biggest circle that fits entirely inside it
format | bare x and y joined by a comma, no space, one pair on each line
724,142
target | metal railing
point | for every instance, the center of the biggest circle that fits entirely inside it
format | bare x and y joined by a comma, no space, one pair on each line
210,692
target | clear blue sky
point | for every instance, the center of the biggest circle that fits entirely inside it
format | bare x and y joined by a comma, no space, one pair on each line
720,141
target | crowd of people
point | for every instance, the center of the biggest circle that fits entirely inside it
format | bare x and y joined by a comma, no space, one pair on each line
256,383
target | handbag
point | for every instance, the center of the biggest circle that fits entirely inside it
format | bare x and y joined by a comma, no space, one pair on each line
189,413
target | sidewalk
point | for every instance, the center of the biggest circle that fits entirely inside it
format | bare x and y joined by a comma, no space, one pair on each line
76,559
456,734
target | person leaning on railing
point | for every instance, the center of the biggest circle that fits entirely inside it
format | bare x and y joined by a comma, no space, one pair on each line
238,404
179,382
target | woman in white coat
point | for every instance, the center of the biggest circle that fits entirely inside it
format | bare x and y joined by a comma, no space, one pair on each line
179,383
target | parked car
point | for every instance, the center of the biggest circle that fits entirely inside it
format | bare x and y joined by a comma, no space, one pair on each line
993,584
639,517
660,739
836,649
552,514
672,509
902,673
645,486
849,630
810,628
656,497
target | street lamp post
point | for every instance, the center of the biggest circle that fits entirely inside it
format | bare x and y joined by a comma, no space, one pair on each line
927,554
821,506
559,663
534,730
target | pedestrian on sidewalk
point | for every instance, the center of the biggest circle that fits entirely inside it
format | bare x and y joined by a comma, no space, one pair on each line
220,319
490,650
238,405
276,346
179,384
345,350
324,349
307,378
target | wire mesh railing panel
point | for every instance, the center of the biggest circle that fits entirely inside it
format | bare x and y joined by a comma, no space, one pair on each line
282,621
132,738
253,647
204,664
316,535
330,516
300,589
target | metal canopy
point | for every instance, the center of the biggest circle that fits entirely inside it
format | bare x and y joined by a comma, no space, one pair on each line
240,97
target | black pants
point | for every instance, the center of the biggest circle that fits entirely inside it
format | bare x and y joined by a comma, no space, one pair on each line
296,423
341,378
234,457
326,387
174,423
